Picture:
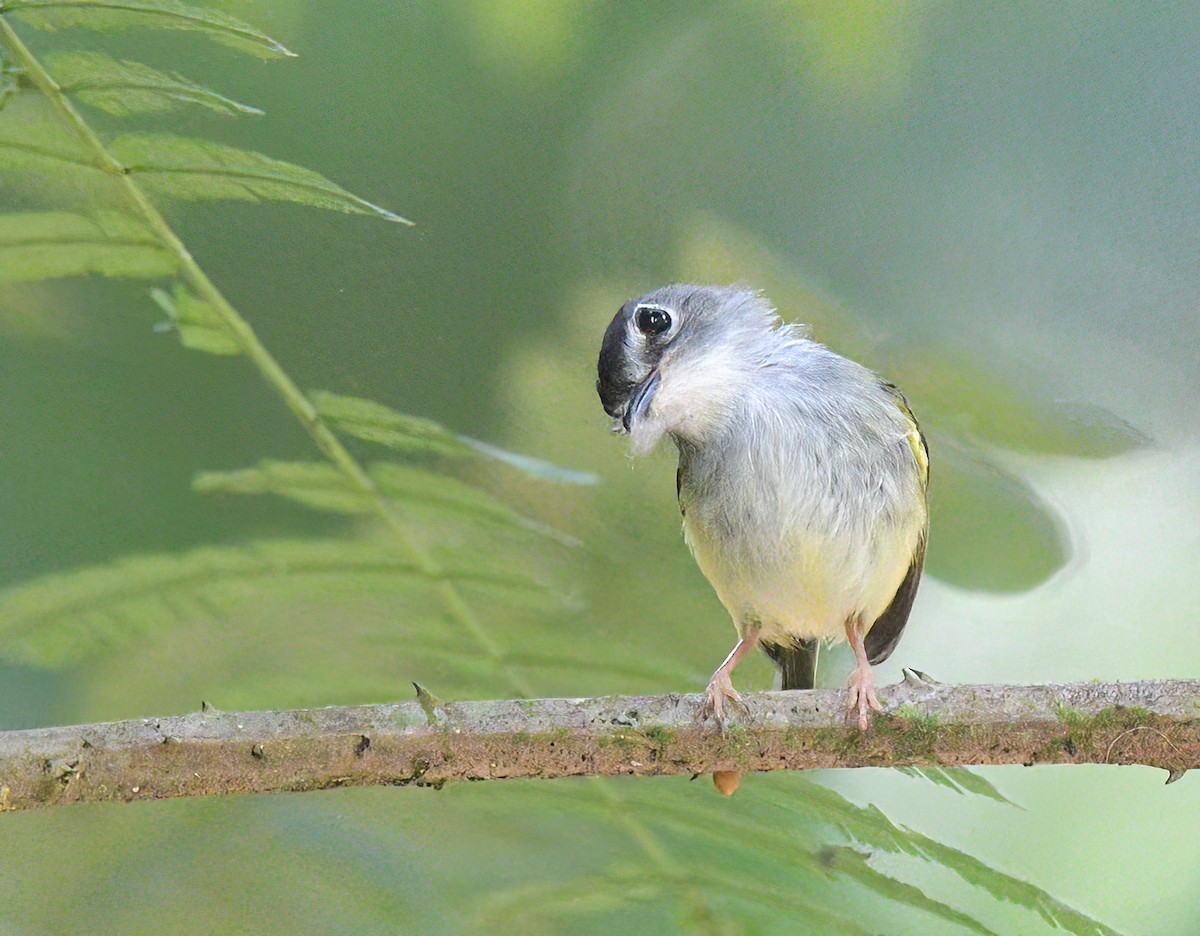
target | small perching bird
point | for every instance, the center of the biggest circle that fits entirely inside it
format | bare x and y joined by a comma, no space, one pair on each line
801,480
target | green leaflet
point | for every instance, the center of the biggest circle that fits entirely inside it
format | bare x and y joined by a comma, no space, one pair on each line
198,324
52,244
853,864
374,422
412,435
316,485
123,88
961,780
29,141
195,170
160,14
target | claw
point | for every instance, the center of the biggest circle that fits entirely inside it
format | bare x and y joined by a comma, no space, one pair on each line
719,692
861,696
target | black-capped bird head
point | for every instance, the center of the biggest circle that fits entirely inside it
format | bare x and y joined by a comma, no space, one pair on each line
676,360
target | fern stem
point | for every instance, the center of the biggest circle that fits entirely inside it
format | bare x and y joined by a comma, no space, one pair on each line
274,374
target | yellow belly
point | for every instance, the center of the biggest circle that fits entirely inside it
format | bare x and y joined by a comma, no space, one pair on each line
809,585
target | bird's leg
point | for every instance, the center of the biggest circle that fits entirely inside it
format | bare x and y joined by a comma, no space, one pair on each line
720,687
862,681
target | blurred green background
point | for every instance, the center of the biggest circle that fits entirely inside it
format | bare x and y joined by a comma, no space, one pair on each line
993,204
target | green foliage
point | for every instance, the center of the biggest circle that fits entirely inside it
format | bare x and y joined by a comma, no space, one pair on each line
959,779
414,436
155,14
47,244
374,422
124,88
199,324
178,167
430,570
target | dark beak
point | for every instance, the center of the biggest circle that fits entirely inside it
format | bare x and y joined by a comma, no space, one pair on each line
639,402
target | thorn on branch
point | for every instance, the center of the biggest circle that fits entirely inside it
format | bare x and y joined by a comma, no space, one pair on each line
429,703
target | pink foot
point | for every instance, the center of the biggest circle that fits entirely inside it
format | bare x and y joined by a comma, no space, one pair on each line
861,696
720,690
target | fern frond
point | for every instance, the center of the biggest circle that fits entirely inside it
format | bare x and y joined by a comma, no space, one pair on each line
870,826
104,15
122,88
320,486
59,619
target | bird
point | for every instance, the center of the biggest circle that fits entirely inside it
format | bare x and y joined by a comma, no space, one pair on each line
802,478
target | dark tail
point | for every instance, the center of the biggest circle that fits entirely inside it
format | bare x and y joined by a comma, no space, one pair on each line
797,661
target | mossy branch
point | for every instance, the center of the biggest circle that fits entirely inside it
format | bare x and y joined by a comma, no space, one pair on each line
428,742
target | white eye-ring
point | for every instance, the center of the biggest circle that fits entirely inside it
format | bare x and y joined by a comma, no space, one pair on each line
652,320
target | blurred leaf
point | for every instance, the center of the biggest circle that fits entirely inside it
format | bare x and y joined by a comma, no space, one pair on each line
322,486
412,435
961,780
193,169
418,487
123,88
50,244
978,513
1012,413
854,864
316,485
198,324
9,79
28,140
869,826
374,422
158,14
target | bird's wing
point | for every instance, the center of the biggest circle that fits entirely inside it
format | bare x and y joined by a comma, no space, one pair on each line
883,636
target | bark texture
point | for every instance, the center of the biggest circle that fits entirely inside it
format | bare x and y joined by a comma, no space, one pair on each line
428,742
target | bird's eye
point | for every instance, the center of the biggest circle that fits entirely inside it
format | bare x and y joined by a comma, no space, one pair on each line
651,320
